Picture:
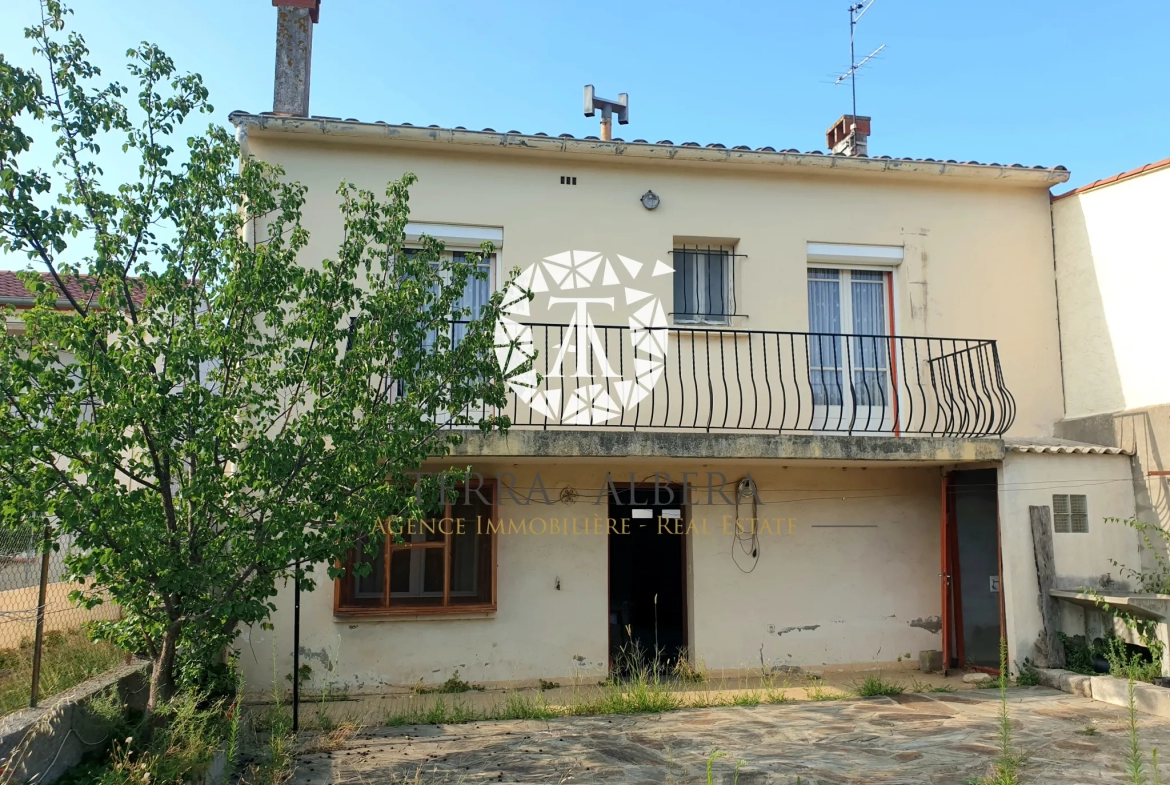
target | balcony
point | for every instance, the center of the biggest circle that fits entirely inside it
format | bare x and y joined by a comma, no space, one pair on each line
725,380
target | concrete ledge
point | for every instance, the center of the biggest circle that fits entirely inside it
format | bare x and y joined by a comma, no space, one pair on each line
597,443
1067,681
47,741
1147,698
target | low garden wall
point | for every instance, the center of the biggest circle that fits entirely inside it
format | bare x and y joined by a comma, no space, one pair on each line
47,741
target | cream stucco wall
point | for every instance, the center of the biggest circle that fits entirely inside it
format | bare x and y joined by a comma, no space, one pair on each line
1113,272
978,256
977,264
825,595
817,596
537,630
1028,479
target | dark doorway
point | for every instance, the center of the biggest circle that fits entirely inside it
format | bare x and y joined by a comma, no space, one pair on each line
973,545
647,579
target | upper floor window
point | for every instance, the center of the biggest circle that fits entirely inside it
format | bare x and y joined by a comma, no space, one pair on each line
476,293
704,285
843,301
1070,513
476,290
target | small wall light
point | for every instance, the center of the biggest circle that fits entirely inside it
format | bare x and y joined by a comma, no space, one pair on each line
650,200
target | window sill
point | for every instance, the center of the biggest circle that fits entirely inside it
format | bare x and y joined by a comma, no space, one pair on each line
414,614
725,322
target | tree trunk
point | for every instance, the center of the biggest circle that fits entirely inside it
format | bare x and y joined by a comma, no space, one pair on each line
162,674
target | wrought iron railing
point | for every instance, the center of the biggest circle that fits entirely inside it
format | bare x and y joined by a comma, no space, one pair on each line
749,380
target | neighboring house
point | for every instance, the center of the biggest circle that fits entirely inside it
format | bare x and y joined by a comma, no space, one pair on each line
1112,244
861,354
20,561
13,294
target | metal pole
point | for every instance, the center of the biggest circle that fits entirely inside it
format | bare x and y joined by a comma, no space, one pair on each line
296,687
853,63
39,640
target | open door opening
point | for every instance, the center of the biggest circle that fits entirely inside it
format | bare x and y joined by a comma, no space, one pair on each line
647,581
972,621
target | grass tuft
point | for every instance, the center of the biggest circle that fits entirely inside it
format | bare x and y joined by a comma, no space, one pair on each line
922,686
819,693
874,686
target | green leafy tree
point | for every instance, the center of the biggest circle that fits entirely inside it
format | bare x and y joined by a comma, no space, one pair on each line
189,402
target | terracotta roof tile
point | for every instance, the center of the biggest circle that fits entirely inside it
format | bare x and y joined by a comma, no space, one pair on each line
81,287
718,146
1146,169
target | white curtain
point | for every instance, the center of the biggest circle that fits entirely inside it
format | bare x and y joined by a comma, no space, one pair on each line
824,351
475,295
870,354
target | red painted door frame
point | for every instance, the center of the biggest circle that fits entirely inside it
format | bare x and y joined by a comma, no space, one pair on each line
952,584
944,574
952,611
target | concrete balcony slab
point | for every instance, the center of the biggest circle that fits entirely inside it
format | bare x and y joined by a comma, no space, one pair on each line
595,443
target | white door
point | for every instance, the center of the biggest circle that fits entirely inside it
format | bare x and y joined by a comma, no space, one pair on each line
850,352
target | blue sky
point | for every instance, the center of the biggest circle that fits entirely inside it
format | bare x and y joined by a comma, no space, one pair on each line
1077,83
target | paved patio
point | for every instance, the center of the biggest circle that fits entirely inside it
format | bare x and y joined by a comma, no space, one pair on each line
908,739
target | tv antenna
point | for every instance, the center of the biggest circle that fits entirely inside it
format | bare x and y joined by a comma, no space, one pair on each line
856,11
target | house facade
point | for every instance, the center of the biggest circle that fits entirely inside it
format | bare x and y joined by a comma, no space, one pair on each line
788,410
1110,235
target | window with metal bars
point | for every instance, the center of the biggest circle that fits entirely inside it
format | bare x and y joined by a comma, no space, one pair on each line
1070,514
704,284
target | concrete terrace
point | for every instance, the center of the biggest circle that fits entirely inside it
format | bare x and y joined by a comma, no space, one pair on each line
910,739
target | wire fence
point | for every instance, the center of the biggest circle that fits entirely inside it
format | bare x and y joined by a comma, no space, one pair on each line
35,609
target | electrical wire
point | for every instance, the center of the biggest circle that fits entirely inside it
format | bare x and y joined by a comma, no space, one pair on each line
745,489
1038,485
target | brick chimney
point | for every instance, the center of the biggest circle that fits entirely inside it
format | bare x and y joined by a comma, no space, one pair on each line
294,55
848,136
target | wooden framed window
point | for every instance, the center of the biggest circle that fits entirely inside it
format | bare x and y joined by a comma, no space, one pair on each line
447,563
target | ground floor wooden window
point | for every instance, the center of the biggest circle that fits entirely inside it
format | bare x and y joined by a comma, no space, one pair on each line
447,563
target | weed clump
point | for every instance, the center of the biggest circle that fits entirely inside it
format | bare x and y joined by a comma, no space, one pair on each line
874,686
451,686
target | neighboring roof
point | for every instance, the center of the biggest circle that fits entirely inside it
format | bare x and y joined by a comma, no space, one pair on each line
13,291
1152,167
1061,446
664,149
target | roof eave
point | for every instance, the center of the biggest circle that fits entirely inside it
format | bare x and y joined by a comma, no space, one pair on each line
29,302
383,133
1121,177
